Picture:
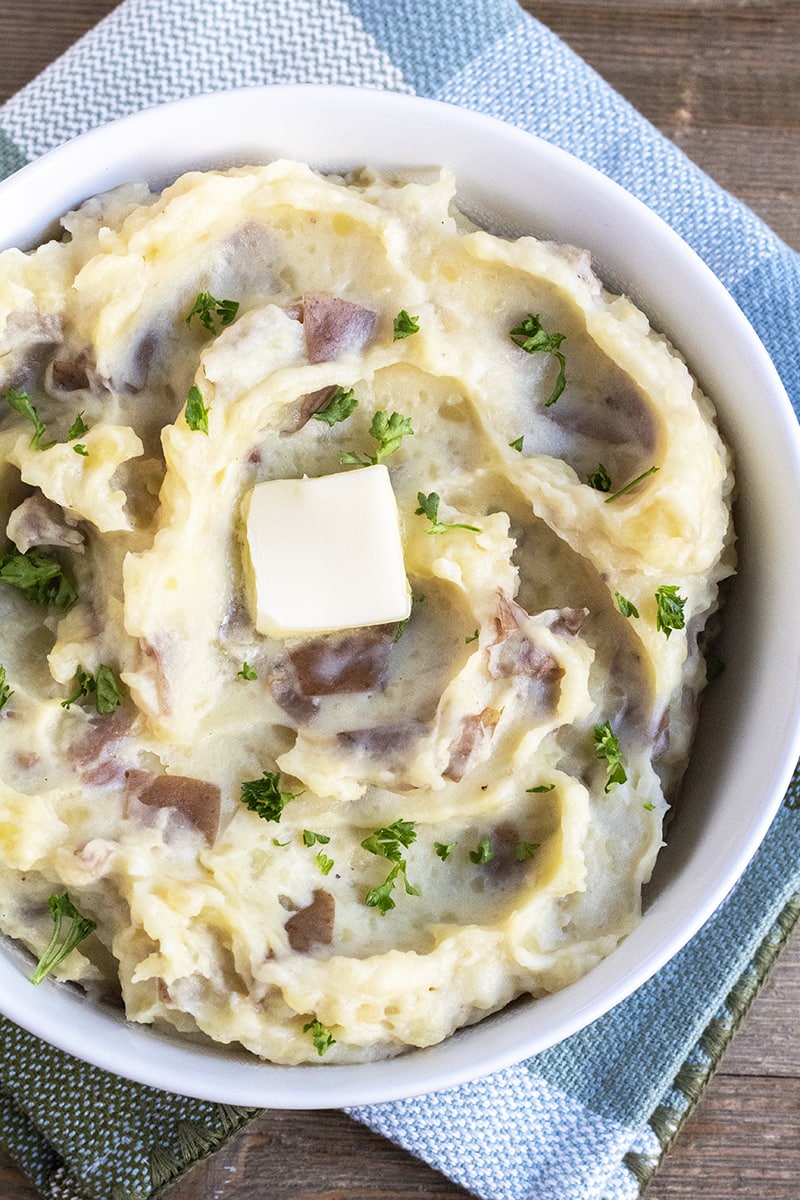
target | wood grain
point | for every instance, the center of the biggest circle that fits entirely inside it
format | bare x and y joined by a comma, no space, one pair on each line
721,78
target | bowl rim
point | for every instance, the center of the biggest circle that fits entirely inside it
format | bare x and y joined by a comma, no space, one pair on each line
211,1072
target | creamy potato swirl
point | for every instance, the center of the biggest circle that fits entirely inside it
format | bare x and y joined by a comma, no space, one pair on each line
465,805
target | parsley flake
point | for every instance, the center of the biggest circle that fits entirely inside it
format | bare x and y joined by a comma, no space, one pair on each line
649,806
196,412
429,507
606,746
626,607
532,337
310,838
264,796
321,1036
388,432
444,849
209,310
77,428
323,862
59,948
341,404
404,326
39,577
483,852
21,403
599,479
628,486
107,692
669,609
247,672
525,850
473,637
518,443
541,787
5,691
389,842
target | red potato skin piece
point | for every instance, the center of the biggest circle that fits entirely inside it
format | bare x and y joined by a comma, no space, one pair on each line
195,799
356,662
333,326
312,925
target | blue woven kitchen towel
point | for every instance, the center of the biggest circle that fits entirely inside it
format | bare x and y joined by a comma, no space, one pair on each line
589,1119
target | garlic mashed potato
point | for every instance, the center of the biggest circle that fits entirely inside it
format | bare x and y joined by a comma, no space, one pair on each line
335,843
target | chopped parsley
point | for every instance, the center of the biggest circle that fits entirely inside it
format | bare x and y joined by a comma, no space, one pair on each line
60,947
669,609
404,325
649,806
473,637
388,432
429,507
606,746
532,337
5,691
632,484
599,479
247,672
389,842
264,796
39,577
626,607
341,404
310,838
21,403
103,686
525,850
444,849
79,448
483,852
541,787
77,428
321,1036
196,412
518,443
324,863
209,310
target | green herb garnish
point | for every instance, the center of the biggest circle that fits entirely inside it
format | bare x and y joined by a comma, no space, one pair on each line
606,746
5,691
341,404
264,796
79,448
525,850
390,842
59,948
632,484
39,577
321,1036
626,607
669,609
518,443
247,672
107,692
532,337
196,412
310,838
599,479
210,310
444,849
483,853
404,325
77,428
473,637
541,787
388,432
21,403
324,863
429,507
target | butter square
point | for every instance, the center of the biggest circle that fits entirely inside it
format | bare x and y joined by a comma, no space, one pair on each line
325,554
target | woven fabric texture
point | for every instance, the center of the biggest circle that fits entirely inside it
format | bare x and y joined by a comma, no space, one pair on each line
589,1119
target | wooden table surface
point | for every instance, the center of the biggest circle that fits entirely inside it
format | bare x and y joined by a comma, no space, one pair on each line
721,78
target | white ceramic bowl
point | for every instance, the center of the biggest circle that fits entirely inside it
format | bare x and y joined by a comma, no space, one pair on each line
747,743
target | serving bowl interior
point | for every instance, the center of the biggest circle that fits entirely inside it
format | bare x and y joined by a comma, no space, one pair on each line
747,741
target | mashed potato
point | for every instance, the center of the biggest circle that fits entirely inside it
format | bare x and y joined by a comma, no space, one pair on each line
335,844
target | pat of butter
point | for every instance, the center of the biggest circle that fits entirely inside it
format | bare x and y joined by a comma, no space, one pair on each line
325,554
